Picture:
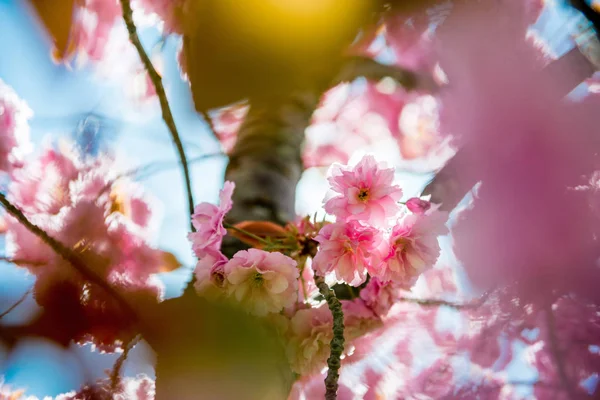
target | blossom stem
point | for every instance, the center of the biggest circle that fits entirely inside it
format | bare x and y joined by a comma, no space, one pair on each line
162,97
16,304
337,342
245,232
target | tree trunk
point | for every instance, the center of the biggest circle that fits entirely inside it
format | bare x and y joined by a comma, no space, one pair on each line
266,162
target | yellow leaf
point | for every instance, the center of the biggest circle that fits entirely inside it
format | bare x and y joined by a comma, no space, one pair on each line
57,17
262,229
169,262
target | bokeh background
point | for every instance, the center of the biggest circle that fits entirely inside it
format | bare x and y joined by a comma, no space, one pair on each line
95,110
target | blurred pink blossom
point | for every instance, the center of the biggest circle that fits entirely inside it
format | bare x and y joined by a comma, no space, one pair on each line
140,387
227,123
78,203
14,129
527,146
310,333
380,296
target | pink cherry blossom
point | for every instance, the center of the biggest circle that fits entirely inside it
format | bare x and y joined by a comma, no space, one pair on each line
310,333
208,221
364,192
346,249
380,296
412,247
358,319
14,130
263,282
210,275
409,37
417,206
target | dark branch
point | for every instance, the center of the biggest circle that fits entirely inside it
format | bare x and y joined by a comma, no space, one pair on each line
162,96
370,69
116,371
16,304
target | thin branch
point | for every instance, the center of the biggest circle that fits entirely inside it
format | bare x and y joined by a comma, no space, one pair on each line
147,170
16,304
368,68
558,355
439,302
245,232
116,371
162,96
66,253
337,342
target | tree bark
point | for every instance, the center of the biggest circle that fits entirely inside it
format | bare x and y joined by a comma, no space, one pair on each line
266,162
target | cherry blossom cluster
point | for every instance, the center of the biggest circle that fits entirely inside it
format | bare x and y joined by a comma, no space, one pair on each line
81,202
374,237
373,233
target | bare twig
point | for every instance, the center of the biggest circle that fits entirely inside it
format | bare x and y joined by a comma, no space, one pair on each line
116,371
368,68
558,355
337,342
439,302
147,170
16,304
162,96
66,253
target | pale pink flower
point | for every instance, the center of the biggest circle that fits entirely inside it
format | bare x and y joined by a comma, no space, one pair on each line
210,275
346,249
412,247
263,282
14,130
358,319
311,331
208,221
364,192
380,296
417,205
